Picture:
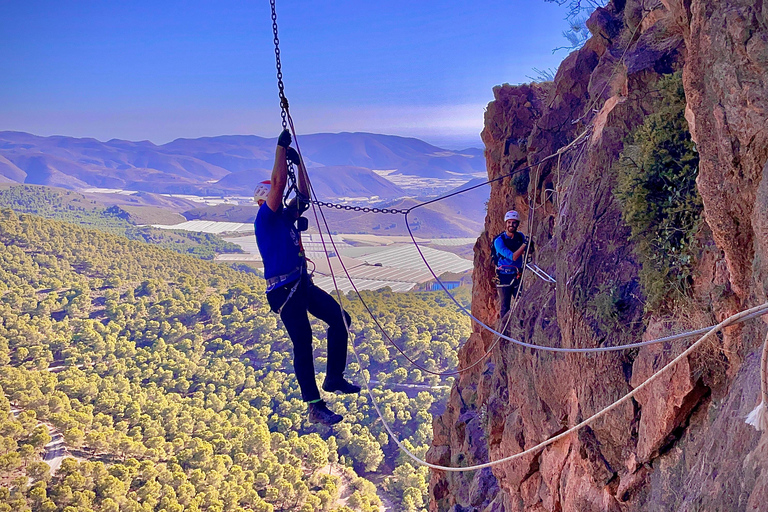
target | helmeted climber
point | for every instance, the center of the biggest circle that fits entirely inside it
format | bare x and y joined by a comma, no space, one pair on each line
290,290
508,255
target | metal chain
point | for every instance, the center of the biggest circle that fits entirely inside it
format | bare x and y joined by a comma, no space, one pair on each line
364,209
283,100
280,86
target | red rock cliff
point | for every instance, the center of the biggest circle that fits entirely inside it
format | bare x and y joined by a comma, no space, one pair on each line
683,443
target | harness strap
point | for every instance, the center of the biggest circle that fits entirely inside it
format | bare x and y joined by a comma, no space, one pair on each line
272,281
290,294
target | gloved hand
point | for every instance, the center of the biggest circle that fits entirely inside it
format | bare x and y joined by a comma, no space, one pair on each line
284,139
292,155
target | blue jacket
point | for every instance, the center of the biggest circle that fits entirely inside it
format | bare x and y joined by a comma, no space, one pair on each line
505,248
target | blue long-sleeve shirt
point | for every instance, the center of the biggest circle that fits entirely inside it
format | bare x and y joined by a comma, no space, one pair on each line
279,243
505,248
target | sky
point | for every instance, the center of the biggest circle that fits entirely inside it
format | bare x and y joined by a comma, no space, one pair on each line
160,70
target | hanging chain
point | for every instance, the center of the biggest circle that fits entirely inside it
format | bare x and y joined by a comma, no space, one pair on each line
364,209
284,115
283,100
280,86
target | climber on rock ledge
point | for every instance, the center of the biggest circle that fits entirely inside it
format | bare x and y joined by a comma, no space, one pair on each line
508,248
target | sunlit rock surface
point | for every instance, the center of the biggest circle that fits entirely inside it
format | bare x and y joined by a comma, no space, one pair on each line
682,444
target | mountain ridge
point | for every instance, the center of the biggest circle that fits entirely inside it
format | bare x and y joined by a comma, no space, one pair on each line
204,166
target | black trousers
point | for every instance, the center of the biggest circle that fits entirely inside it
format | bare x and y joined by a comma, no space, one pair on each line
507,288
308,298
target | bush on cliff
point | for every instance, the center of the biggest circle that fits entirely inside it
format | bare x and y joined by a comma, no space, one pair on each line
657,191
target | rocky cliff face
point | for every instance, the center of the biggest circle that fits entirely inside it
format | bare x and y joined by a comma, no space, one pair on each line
682,444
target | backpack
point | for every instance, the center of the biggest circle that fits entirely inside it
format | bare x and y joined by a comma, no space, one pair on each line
494,254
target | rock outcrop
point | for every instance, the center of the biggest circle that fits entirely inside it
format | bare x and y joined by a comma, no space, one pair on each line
682,444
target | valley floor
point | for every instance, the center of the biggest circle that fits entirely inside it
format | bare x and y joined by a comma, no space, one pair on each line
373,261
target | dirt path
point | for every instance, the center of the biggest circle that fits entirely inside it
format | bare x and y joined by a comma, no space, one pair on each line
386,502
55,451
346,490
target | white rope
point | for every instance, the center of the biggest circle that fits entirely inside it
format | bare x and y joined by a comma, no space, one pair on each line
732,320
737,318
561,349
758,418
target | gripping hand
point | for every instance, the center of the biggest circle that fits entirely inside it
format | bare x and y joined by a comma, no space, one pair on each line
284,139
292,155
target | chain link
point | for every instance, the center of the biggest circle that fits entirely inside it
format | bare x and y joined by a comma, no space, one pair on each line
283,99
284,114
280,86
364,209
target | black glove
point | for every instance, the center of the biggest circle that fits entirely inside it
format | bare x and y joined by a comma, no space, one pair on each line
284,139
292,155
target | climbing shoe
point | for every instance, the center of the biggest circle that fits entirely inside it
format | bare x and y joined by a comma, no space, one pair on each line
340,386
319,413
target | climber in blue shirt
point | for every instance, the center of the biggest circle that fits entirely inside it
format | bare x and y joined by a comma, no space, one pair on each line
290,290
508,249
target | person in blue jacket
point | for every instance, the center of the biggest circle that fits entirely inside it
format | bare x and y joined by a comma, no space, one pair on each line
290,290
509,248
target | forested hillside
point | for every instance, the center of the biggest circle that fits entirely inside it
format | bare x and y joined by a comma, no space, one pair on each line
172,385
75,208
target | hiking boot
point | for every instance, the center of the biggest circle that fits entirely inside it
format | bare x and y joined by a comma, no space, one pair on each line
340,386
319,413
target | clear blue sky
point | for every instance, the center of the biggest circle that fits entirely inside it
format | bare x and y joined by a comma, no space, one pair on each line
164,69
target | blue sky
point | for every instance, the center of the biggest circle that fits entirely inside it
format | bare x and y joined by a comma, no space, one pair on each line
160,70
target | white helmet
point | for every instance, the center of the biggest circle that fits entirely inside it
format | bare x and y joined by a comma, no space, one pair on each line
513,215
262,191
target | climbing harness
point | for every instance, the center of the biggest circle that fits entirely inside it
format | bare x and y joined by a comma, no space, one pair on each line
290,294
514,277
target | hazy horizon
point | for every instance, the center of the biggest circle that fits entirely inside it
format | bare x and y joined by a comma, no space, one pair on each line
454,143
162,71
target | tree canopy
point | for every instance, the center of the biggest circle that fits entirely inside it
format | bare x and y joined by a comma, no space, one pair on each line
171,386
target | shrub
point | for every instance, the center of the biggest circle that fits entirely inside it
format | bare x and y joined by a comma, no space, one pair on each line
657,192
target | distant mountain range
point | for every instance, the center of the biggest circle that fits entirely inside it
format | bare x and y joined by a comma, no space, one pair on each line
342,163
